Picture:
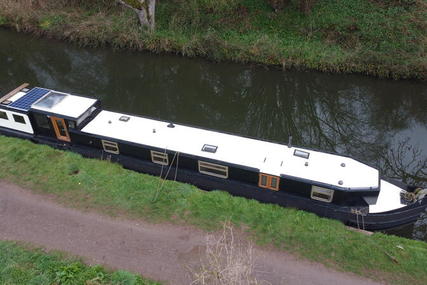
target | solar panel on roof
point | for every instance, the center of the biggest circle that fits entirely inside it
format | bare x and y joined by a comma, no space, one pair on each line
25,102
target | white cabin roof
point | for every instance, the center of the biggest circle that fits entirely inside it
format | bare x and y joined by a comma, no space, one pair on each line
269,158
64,104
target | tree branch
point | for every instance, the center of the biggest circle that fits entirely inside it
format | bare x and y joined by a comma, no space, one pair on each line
127,5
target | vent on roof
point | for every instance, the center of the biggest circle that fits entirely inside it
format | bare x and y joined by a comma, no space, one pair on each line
124,118
209,148
302,154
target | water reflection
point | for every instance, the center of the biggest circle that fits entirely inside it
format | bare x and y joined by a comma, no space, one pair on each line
381,122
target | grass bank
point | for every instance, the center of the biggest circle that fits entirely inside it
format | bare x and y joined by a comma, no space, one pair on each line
385,38
21,264
108,188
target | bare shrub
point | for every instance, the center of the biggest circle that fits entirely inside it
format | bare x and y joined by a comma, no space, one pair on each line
227,261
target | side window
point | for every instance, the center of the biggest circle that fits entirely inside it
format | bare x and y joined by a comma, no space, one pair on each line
111,147
3,115
159,157
71,124
213,169
274,183
269,181
19,119
263,180
322,194
42,121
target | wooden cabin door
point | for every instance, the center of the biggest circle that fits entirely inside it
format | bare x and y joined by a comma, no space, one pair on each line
60,129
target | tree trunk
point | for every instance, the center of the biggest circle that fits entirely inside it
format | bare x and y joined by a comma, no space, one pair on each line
151,14
146,12
143,18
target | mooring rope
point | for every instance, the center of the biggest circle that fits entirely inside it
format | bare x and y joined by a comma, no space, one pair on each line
357,219
363,221
358,212
162,181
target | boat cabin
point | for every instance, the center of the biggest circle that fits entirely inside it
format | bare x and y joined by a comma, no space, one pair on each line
45,112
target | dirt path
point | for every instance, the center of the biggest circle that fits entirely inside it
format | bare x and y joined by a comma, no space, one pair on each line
160,252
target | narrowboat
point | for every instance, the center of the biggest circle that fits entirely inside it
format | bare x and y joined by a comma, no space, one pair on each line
329,185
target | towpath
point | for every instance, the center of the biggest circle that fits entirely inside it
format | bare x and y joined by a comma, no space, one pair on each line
160,252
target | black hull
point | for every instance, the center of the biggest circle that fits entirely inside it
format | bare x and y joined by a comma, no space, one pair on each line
380,221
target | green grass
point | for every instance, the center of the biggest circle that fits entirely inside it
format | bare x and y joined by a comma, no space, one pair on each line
20,264
375,37
108,188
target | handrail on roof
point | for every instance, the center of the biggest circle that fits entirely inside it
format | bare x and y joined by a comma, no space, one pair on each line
13,92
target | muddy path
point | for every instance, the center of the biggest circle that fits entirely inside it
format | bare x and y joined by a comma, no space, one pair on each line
160,252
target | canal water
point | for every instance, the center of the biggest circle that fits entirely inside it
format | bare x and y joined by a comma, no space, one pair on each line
380,122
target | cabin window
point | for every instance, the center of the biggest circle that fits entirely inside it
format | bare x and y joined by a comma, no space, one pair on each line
60,128
322,194
302,154
159,157
71,124
19,119
111,147
269,181
273,183
263,181
42,121
3,115
213,169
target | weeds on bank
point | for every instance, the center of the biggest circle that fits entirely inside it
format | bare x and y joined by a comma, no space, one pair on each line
108,188
24,265
383,38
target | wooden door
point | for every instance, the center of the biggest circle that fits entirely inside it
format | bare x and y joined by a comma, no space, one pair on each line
60,129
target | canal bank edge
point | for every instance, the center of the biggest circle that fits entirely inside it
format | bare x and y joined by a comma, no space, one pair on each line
22,263
368,37
108,188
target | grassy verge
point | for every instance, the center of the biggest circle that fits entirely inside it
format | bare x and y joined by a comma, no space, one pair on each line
108,188
375,37
23,265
